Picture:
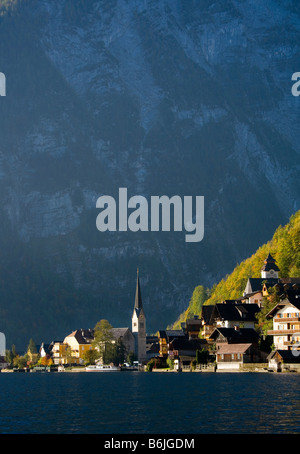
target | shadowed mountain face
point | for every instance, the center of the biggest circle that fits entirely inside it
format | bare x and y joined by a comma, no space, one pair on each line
161,98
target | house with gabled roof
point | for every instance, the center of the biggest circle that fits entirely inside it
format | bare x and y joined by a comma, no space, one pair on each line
234,335
167,336
235,346
232,313
193,327
233,356
286,321
183,350
279,360
73,347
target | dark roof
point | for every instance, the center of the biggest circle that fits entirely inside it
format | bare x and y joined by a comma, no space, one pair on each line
206,313
294,300
187,344
287,289
171,334
120,332
255,284
83,336
242,335
193,323
270,264
287,356
287,300
235,312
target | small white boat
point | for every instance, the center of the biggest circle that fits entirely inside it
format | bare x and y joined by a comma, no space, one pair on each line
102,368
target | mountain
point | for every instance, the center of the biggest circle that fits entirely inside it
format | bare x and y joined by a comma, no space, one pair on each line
162,98
285,249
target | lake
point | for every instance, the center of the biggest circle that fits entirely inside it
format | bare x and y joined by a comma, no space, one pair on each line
149,403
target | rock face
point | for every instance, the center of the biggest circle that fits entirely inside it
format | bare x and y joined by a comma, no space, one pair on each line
162,98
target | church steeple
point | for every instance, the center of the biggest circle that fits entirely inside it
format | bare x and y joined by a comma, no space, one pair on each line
269,269
138,297
139,323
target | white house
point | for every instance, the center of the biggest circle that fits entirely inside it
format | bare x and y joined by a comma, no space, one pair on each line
286,323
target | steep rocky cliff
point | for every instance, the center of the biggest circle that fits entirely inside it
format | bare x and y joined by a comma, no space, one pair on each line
169,97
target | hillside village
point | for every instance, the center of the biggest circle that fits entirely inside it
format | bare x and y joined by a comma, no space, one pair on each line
223,338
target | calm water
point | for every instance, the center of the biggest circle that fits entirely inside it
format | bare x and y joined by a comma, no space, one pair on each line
153,403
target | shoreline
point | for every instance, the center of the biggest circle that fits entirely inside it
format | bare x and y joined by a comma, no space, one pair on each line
163,371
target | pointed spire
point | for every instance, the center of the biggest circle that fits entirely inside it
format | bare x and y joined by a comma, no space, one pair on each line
270,264
138,297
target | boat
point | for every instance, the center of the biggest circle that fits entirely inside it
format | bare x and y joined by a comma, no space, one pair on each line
102,368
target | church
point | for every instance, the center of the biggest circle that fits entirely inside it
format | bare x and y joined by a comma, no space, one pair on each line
139,324
257,288
134,339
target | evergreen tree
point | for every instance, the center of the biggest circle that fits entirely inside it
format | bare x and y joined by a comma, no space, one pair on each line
103,339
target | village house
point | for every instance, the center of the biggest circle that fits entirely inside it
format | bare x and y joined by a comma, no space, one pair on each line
236,346
231,313
258,288
236,335
73,347
193,327
253,292
183,351
207,322
152,347
165,337
233,356
280,360
286,322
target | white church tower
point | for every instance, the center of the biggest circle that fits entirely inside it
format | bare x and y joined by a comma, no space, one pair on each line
270,269
139,324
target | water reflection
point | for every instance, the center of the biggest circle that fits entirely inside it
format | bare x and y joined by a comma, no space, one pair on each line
150,403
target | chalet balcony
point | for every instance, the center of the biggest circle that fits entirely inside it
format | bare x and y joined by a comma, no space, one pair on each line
286,319
278,332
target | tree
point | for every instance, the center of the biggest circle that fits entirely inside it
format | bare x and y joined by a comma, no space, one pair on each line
103,339
118,353
10,355
202,356
90,356
67,355
32,353
131,357
20,361
268,303
31,347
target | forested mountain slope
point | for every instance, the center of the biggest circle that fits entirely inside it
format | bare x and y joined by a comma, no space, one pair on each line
284,247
